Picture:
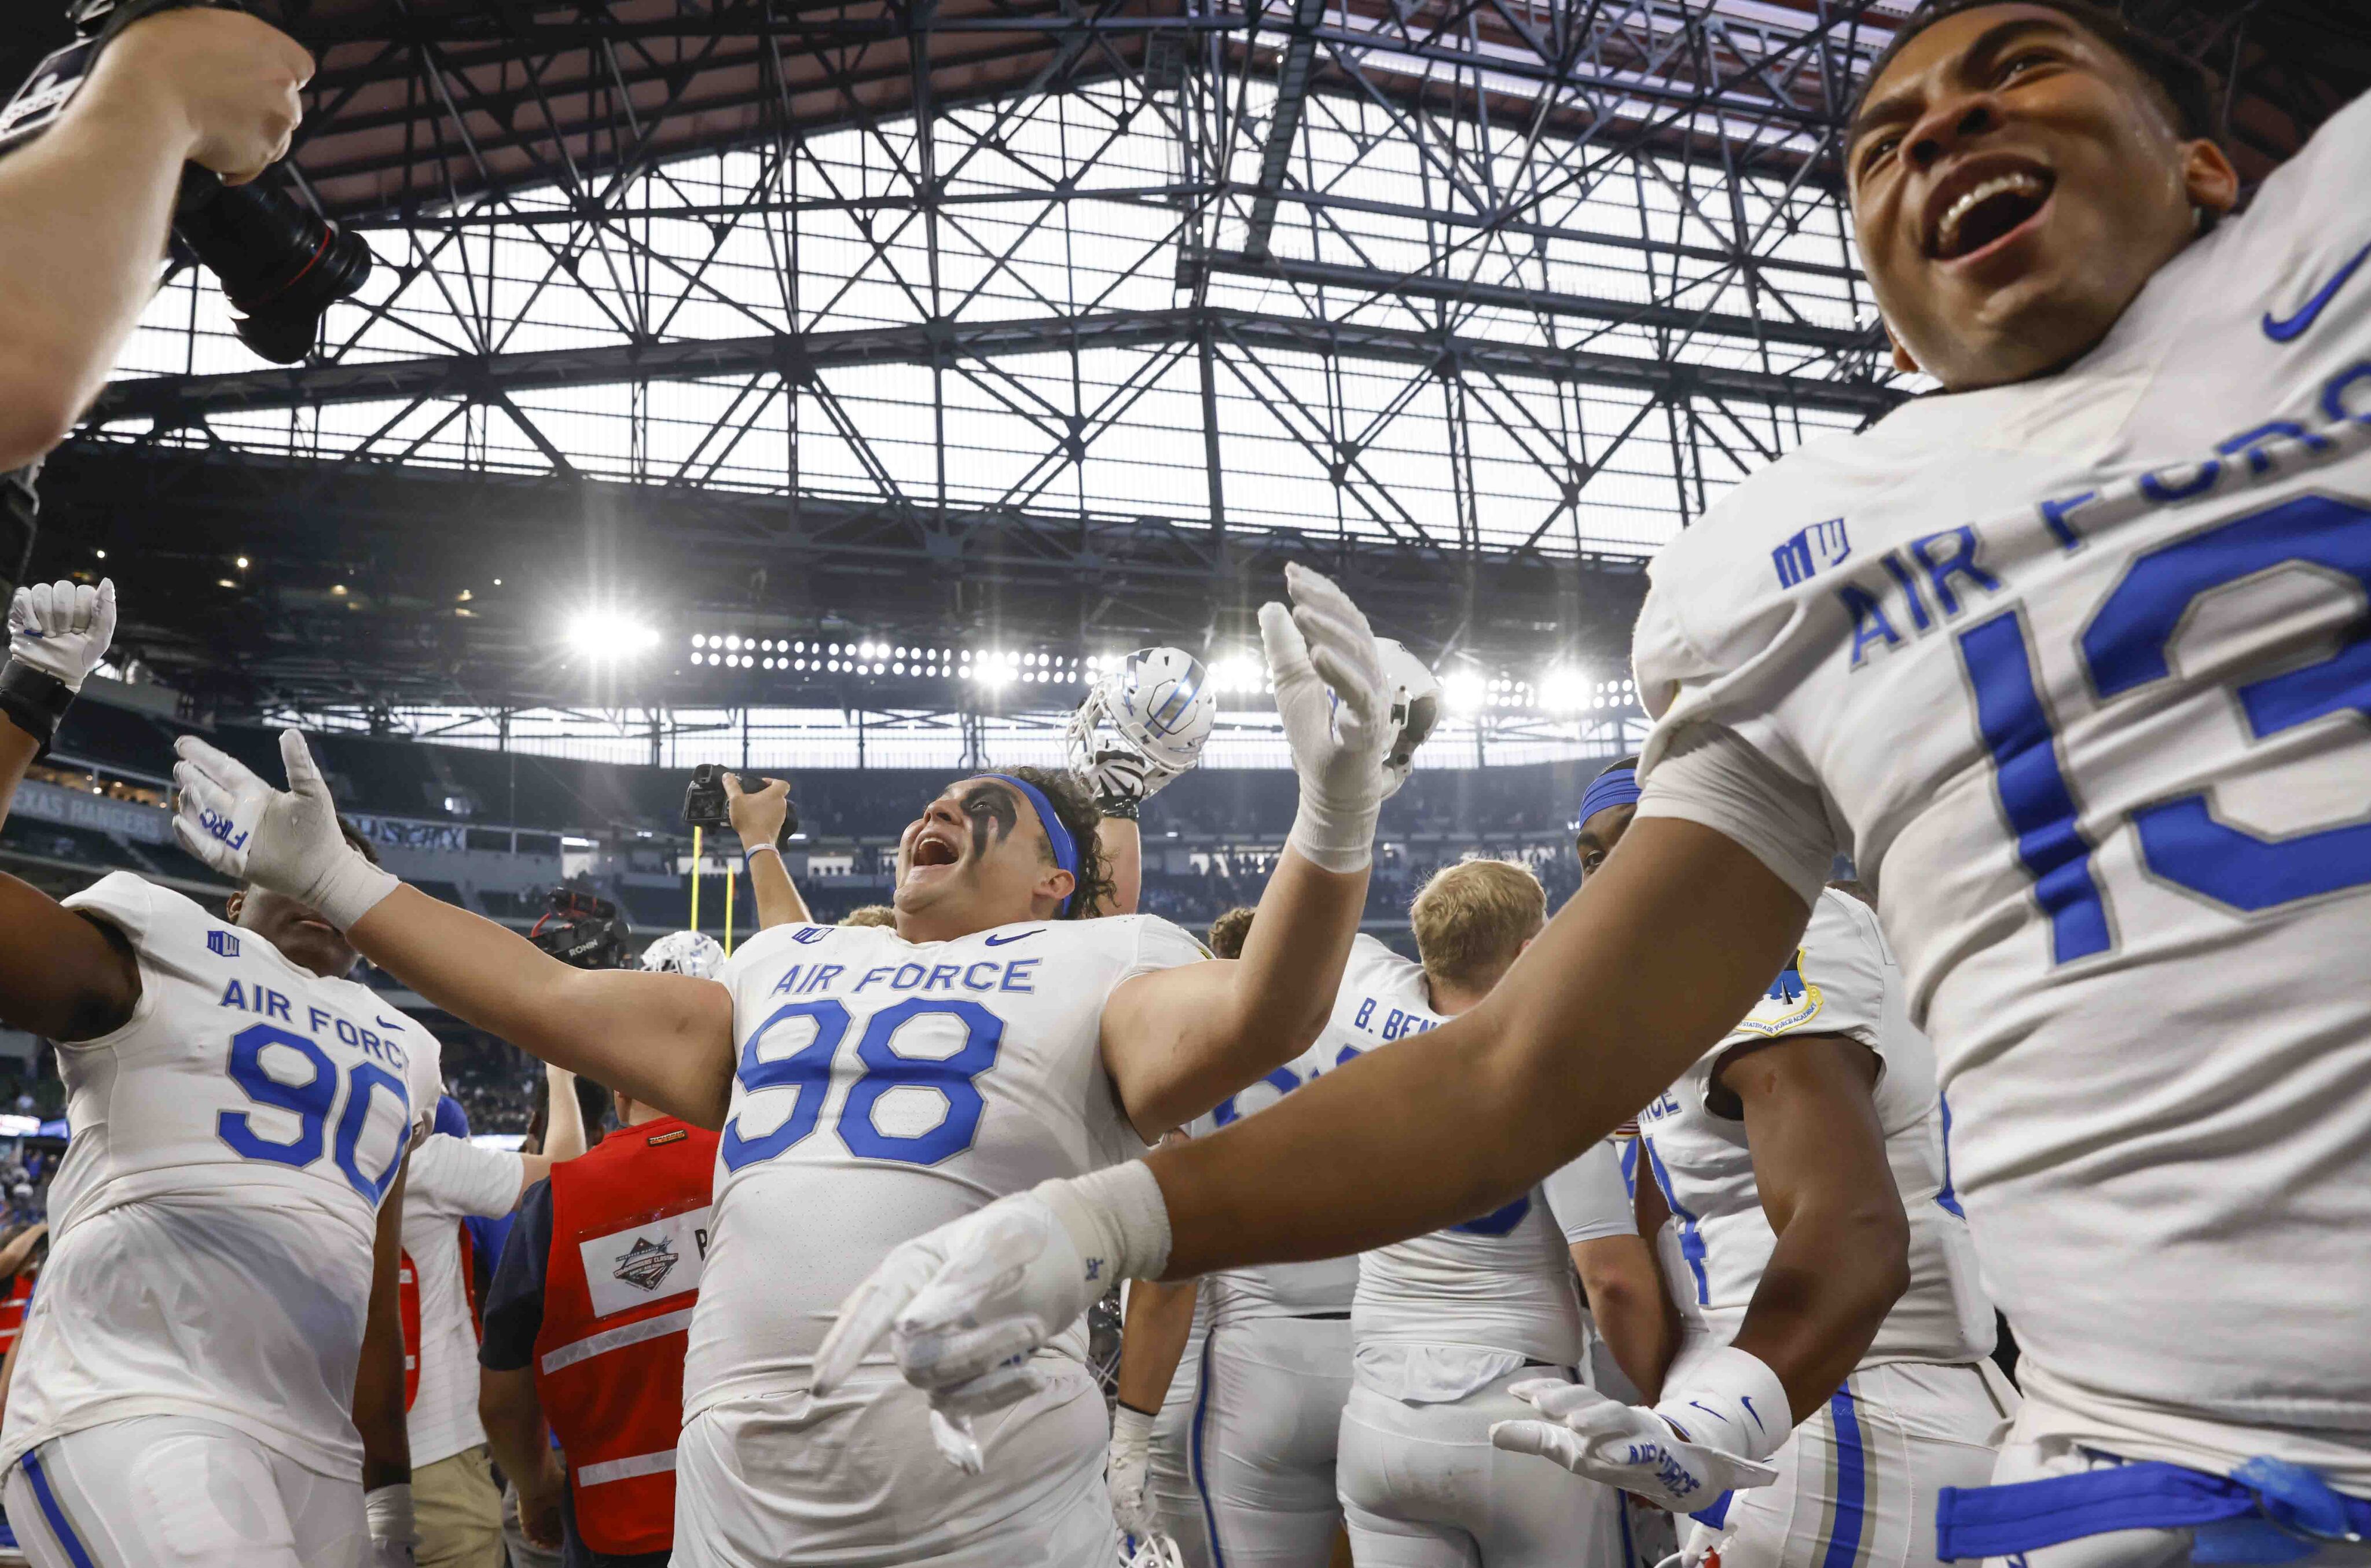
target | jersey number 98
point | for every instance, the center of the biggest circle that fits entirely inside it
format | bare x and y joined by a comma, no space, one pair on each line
808,1071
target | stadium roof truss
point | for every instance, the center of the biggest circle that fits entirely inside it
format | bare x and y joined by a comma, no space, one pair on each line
930,318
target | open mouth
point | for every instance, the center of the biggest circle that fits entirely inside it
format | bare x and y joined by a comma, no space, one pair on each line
930,851
1989,211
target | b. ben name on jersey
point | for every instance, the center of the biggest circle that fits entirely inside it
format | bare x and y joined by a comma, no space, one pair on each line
263,1001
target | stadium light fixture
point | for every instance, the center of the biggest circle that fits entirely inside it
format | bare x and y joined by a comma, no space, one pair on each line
1565,690
610,634
1463,691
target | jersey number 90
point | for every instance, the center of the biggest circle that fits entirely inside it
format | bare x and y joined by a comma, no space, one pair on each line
314,1101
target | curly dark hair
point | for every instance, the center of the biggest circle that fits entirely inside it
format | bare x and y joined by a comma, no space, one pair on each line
1076,807
1229,931
2187,87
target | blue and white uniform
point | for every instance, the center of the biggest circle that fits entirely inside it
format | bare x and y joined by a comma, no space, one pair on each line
1176,1501
883,1088
1925,1409
184,1388
1443,1324
1274,1369
2074,669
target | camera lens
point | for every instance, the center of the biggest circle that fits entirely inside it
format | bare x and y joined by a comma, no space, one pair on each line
282,264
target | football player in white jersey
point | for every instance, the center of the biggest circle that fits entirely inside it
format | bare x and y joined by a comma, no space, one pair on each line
1444,1324
1779,1155
871,1084
2068,657
213,1371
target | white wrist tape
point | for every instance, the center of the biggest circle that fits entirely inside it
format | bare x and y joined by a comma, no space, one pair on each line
1731,1401
1333,838
1132,1431
349,888
389,1510
1115,1214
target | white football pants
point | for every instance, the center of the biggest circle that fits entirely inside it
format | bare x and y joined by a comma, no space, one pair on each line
1856,1482
853,1481
1423,1488
1170,1473
1261,1448
180,1492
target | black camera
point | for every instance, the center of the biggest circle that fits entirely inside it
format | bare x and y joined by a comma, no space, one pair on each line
584,931
282,264
705,805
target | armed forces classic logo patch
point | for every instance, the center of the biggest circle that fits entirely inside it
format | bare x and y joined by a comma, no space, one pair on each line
1791,1002
647,1263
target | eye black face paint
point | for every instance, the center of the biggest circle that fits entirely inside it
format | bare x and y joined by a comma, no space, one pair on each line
993,815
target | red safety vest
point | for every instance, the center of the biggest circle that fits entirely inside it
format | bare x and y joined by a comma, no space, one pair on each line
12,1305
630,1229
407,1295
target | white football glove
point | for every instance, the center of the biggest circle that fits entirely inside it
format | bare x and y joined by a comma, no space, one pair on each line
62,628
1129,1469
1701,1441
1336,708
965,1305
394,1535
286,840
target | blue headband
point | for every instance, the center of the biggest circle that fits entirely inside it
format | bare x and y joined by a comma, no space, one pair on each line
1066,849
1614,786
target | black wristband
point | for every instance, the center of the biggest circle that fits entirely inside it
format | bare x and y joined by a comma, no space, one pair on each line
1121,806
34,700
1148,1415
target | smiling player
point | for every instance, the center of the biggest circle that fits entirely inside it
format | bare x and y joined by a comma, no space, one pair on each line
2070,658
874,1083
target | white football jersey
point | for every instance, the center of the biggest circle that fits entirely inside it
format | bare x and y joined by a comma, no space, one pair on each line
2075,671
1502,1284
450,1177
214,1212
1842,981
883,1088
1322,1286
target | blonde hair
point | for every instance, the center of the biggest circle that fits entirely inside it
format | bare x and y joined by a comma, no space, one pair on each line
870,914
1229,931
1471,918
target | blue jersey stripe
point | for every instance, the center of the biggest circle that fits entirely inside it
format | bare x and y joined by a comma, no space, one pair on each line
75,1551
1850,1518
1692,1241
1947,1197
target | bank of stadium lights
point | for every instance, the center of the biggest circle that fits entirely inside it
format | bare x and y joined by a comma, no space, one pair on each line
1236,676
803,656
995,668
608,635
1567,692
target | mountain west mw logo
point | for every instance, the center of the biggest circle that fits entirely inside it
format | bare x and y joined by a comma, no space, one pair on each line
646,1263
1811,552
222,944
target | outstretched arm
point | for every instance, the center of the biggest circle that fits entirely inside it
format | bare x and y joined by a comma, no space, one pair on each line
1178,1041
1645,970
666,1040
1843,1257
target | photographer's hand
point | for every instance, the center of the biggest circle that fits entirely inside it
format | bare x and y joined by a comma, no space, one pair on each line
232,78
757,817
89,200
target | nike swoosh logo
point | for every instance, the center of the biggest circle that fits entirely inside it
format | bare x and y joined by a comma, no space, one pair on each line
1710,1411
1756,1414
386,1022
2297,326
999,942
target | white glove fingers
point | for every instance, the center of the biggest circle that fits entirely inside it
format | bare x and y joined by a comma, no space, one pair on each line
85,608
946,1359
102,622
1280,639
952,1437
304,775
45,608
866,1316
219,767
1559,1400
1316,591
980,1263
200,793
989,1392
1544,1438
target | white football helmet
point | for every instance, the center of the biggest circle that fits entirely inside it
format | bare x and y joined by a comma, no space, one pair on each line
684,952
1159,709
1149,1552
1416,708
